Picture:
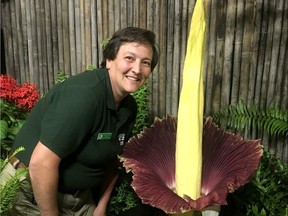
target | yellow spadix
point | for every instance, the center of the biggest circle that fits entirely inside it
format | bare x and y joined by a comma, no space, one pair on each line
190,112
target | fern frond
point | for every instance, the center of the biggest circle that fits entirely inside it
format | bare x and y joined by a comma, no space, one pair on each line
10,189
4,163
273,120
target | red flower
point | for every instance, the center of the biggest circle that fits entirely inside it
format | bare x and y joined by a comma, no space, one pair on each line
25,96
8,86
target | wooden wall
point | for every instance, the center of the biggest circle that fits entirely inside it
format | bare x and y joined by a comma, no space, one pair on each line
246,50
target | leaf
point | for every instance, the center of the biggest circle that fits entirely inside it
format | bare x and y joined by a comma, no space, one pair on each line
3,129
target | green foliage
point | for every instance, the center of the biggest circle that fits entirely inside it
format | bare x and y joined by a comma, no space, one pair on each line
91,67
10,188
267,192
123,197
273,120
61,76
105,43
143,114
12,119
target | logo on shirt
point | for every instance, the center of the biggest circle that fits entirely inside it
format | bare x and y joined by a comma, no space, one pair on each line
121,139
104,136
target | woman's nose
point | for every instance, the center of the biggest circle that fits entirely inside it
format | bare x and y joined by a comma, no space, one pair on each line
136,67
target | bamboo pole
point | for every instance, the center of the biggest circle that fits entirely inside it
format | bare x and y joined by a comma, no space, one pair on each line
228,53
220,31
39,40
155,75
94,44
78,41
126,11
54,41
281,87
267,65
237,52
16,69
60,35
278,68
66,44
48,33
105,21
99,29
129,11
162,59
111,17
176,59
169,58
143,13
31,39
283,60
117,11
150,24
253,91
7,35
19,38
246,51
135,13
72,37
87,27
267,59
257,52
211,55
41,37
272,94
261,56
82,35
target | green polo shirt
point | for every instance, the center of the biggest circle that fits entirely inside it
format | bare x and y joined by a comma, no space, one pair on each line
78,121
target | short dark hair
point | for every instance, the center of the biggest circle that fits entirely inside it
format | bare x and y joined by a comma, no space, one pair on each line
129,34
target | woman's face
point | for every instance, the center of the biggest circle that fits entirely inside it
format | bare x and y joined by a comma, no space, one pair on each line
130,69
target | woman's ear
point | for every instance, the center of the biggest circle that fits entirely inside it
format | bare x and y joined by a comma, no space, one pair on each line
108,63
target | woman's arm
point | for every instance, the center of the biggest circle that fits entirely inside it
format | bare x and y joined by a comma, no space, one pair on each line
43,169
107,188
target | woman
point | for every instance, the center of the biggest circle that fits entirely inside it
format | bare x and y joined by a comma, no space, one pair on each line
75,132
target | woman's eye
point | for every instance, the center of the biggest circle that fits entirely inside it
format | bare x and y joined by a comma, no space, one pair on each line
129,58
147,63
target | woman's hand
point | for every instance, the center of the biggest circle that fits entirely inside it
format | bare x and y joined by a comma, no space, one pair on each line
100,210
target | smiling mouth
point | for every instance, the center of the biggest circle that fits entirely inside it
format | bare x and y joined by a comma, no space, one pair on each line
132,78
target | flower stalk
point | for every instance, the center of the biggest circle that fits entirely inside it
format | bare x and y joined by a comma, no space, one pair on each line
190,112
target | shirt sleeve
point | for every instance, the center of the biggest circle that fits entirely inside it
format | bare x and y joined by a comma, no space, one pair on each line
69,118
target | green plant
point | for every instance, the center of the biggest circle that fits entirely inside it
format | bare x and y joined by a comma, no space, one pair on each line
91,67
12,119
10,184
123,197
61,76
15,103
272,120
143,114
266,193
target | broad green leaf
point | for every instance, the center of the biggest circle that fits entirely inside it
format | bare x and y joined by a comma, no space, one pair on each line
3,129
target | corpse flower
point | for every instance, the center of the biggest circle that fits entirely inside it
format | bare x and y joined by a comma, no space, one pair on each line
195,167
228,162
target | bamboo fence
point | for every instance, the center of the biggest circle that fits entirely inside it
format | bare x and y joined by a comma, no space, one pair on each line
245,58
